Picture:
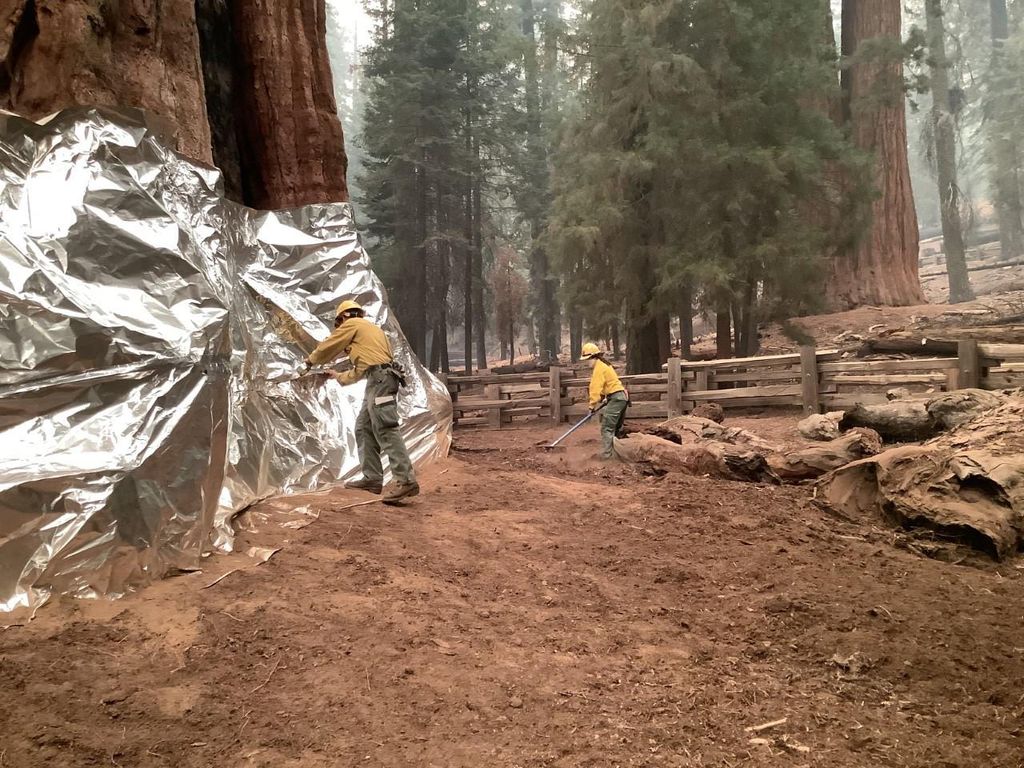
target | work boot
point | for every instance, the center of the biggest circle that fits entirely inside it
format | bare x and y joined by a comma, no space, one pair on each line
401,491
362,484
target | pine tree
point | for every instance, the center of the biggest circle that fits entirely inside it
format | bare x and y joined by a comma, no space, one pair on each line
689,163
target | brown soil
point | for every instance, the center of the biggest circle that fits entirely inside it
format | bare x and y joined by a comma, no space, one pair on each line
536,609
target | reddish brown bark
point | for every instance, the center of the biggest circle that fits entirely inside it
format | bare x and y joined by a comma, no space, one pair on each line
290,138
882,268
138,53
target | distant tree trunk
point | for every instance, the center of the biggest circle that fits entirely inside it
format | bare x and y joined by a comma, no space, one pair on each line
723,331
882,268
686,324
63,54
542,283
1005,158
943,122
664,338
467,234
576,336
616,345
479,318
745,321
291,143
467,295
415,322
643,347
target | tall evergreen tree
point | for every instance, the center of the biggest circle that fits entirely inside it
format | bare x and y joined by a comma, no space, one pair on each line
690,163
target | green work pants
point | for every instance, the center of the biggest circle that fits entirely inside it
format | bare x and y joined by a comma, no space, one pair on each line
611,422
377,430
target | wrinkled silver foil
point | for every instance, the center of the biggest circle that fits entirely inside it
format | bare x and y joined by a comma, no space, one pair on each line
150,331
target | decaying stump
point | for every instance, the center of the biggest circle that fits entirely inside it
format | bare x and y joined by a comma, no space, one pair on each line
705,457
968,483
819,459
914,420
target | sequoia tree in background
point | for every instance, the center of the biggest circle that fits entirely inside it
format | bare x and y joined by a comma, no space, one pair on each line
943,123
64,53
883,268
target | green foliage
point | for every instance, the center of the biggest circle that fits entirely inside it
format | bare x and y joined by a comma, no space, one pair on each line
700,155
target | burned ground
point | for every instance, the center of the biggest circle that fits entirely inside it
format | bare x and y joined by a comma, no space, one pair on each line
538,609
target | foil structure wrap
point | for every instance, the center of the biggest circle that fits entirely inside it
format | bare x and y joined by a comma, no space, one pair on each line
150,333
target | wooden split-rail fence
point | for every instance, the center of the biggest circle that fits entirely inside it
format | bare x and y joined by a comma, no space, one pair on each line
816,380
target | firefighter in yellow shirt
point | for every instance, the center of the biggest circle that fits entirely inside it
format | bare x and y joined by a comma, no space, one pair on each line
606,387
377,428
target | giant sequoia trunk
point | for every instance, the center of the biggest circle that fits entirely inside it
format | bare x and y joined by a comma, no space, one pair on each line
134,53
257,72
292,148
882,268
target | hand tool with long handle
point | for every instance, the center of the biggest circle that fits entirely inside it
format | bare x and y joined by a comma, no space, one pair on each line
576,426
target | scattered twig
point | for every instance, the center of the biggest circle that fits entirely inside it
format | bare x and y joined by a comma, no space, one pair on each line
240,621
151,752
276,665
357,504
219,579
765,726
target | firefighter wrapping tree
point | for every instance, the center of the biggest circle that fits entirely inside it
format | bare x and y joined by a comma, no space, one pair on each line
377,428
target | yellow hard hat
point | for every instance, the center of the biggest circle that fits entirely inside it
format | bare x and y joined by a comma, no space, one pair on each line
349,306
590,349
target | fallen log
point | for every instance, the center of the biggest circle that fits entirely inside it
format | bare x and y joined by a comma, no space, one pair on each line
967,484
893,345
817,460
707,457
915,420
691,429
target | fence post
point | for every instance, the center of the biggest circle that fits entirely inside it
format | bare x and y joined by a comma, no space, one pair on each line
555,388
675,387
969,364
809,379
493,392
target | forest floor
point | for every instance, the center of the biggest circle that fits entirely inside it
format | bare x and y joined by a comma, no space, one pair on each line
536,609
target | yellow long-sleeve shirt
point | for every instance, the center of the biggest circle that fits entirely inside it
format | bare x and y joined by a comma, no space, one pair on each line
365,343
604,381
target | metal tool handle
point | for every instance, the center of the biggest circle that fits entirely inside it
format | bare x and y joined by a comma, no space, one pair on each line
579,424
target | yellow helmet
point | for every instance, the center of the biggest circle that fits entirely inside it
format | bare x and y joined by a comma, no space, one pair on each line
590,349
348,306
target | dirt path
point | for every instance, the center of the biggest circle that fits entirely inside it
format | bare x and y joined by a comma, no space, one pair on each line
537,610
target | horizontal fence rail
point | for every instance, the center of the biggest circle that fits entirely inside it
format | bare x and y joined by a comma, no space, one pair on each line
813,379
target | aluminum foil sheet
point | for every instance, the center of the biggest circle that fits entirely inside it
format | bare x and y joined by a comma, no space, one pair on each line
150,331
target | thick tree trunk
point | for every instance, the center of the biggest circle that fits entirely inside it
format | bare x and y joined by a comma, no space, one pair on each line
292,148
643,348
138,53
882,268
944,125
1005,157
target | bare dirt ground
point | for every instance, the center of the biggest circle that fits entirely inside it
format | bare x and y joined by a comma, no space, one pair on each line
537,609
